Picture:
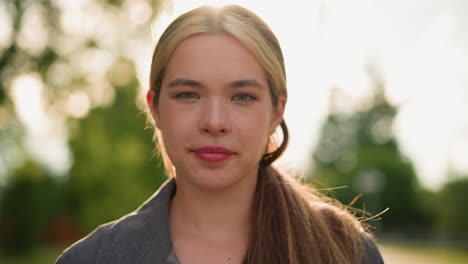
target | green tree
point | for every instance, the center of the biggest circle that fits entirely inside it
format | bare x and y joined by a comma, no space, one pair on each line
27,206
76,49
358,150
113,169
69,46
451,214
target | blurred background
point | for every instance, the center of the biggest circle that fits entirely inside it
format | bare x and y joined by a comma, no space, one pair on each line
378,105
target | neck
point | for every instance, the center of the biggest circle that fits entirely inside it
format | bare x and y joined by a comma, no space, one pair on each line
219,216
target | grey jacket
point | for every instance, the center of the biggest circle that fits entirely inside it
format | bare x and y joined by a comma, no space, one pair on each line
143,237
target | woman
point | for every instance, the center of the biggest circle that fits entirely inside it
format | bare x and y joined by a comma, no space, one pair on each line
217,94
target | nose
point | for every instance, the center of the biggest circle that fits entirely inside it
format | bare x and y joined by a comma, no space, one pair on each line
215,118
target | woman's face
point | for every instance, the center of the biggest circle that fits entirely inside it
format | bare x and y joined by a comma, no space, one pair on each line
215,112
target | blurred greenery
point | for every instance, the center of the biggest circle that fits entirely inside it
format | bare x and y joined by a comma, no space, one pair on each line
357,150
41,255
113,164
92,92
451,203
112,155
401,252
33,193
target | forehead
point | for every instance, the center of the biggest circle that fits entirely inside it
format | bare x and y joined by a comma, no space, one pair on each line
218,57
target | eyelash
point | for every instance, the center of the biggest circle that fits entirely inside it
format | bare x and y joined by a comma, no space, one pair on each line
249,97
185,95
241,97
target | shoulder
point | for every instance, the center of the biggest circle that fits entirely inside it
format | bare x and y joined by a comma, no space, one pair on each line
84,250
134,236
122,241
371,251
345,229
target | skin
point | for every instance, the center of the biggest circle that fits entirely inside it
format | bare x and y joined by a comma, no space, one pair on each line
214,93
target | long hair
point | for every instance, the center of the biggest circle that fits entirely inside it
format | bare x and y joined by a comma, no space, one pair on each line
291,223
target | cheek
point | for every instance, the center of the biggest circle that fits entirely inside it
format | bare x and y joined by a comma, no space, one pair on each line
255,131
173,118
176,128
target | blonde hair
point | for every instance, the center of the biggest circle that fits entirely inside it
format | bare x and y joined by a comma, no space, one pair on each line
292,223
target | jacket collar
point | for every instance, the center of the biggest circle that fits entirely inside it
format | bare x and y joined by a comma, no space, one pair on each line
142,236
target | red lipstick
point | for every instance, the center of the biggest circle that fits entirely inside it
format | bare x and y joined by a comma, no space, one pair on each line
213,153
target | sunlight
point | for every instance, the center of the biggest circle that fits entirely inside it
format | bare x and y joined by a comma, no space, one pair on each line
459,156
138,12
33,35
347,39
78,104
6,28
176,7
42,132
430,94
26,91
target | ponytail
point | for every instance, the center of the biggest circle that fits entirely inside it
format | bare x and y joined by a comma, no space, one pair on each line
293,224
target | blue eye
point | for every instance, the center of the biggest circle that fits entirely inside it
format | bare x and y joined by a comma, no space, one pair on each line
186,95
244,97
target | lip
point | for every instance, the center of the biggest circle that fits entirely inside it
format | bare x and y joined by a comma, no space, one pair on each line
213,153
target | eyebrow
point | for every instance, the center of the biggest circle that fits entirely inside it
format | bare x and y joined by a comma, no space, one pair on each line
233,84
244,83
184,82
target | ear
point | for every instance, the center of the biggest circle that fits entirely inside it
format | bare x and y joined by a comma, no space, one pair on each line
150,101
278,113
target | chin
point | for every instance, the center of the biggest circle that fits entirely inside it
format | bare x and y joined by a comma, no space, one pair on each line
215,181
